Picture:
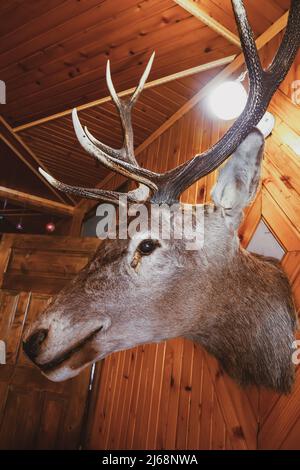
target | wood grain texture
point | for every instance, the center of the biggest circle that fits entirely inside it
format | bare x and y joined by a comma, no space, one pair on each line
39,203
59,54
149,84
201,14
26,155
34,412
57,147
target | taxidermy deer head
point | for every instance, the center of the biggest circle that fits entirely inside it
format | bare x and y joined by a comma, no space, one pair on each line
237,305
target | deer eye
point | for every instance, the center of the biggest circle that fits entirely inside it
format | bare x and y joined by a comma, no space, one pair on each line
146,247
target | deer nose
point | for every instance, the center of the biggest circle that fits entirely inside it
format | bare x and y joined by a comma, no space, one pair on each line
33,344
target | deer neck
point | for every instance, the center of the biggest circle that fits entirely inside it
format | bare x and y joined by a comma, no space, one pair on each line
249,320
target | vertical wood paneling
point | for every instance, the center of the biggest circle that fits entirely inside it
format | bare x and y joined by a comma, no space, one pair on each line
186,387
193,429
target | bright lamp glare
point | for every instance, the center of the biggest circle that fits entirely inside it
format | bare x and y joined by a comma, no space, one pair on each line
228,100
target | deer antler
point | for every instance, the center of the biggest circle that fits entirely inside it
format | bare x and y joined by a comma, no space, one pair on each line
126,153
122,160
167,187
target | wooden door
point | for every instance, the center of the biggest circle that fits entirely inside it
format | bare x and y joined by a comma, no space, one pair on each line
36,413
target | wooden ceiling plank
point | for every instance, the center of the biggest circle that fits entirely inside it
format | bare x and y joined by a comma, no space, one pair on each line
286,149
150,99
89,92
110,120
63,168
87,178
64,156
56,140
24,153
199,13
145,100
105,21
51,135
67,135
39,203
125,38
18,15
183,88
151,84
82,68
31,34
84,87
266,15
108,113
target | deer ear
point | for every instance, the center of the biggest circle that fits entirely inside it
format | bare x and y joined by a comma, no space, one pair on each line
238,180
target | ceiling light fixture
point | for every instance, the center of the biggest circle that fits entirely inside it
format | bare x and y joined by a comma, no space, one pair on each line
228,100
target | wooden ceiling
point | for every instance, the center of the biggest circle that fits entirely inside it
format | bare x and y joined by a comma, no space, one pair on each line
57,147
53,53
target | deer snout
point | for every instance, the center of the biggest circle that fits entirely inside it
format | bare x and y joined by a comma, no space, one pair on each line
33,343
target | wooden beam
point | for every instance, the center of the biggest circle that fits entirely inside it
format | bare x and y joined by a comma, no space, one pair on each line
160,81
267,36
26,155
196,10
18,213
36,202
5,251
76,223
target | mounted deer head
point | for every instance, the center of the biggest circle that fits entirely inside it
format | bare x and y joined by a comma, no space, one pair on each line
142,290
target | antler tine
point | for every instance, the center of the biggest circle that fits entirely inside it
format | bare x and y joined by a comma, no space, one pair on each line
142,82
129,170
138,89
126,153
285,54
116,153
124,110
263,85
92,193
251,56
123,160
111,87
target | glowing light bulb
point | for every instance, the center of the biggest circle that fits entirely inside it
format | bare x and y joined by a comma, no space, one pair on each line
228,100
50,227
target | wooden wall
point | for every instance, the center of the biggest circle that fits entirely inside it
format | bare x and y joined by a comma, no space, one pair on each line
173,395
36,413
